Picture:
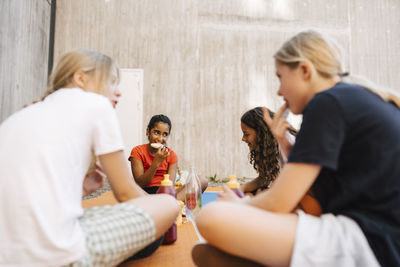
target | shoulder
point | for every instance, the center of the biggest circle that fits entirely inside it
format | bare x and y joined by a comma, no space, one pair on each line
346,89
140,149
344,94
140,152
80,99
97,101
337,98
74,93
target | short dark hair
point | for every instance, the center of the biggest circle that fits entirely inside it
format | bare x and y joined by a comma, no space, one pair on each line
159,118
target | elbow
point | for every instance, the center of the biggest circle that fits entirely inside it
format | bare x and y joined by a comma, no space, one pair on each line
123,197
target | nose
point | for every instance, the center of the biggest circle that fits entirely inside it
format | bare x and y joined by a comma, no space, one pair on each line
243,138
279,91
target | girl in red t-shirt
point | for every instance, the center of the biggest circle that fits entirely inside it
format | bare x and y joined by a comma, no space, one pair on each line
148,163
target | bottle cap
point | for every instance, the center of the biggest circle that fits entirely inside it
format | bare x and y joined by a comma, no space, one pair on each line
166,181
233,183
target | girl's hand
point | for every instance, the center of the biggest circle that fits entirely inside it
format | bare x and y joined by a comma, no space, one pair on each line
161,154
229,195
93,180
279,126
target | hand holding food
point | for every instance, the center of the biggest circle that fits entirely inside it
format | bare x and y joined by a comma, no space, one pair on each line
156,145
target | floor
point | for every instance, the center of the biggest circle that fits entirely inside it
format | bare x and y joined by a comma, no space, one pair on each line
177,254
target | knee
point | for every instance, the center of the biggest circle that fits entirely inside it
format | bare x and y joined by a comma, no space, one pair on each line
210,218
170,204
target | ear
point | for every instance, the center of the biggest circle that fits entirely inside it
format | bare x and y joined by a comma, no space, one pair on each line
306,70
79,79
147,132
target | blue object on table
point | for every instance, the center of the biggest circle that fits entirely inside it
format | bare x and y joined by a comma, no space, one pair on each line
208,197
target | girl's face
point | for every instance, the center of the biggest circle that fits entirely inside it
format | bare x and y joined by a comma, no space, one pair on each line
293,86
159,133
249,136
112,92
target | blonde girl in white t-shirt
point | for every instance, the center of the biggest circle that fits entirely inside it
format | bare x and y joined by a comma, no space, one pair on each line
46,150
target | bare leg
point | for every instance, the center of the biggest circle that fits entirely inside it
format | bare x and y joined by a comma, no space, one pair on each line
248,232
162,208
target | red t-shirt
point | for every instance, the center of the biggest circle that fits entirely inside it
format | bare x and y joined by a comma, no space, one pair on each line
142,153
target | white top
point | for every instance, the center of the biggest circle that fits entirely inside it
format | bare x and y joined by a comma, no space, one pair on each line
46,149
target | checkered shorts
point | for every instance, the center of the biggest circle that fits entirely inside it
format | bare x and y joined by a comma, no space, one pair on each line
114,233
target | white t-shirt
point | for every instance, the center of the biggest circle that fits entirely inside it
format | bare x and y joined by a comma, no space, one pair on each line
45,151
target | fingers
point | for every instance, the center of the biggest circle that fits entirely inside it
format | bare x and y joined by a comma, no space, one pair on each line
100,175
281,126
98,167
278,125
267,117
281,110
227,194
165,151
224,190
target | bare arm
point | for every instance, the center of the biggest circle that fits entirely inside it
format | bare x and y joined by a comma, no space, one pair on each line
252,185
117,171
288,189
94,180
143,178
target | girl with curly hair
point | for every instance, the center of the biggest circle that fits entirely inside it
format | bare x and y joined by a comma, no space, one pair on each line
267,155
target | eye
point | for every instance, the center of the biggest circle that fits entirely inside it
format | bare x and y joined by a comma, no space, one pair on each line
165,134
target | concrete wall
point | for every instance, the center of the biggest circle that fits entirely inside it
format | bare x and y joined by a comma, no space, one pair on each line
24,49
206,62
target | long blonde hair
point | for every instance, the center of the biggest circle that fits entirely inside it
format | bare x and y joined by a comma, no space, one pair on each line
326,56
103,68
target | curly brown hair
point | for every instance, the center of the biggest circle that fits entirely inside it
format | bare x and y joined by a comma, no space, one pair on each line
265,156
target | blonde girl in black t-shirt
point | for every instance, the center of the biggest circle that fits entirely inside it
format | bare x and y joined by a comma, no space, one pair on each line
347,150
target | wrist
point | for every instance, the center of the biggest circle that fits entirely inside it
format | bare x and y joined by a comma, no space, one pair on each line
156,163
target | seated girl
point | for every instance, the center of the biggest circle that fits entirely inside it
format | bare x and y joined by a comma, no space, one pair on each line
347,151
149,163
45,224
266,154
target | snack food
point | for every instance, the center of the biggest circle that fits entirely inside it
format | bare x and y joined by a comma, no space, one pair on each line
156,145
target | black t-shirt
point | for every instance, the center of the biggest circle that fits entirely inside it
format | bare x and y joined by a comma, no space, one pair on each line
355,136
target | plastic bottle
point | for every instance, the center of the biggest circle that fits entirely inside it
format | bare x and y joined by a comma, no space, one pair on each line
167,188
234,185
192,194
